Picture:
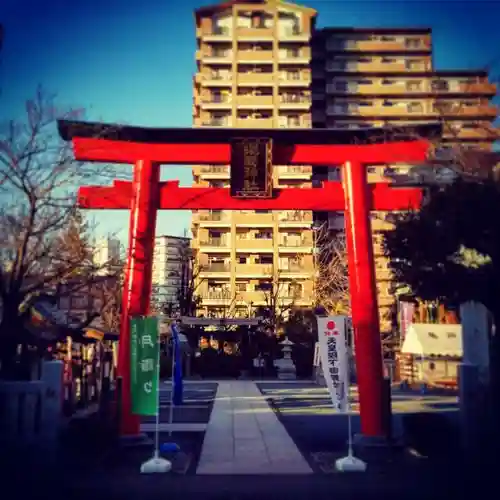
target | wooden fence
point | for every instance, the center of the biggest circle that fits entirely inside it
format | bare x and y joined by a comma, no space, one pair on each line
34,413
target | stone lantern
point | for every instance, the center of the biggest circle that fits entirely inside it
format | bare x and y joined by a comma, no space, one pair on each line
285,365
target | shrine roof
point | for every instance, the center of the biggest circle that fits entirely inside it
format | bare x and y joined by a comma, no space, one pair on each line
69,130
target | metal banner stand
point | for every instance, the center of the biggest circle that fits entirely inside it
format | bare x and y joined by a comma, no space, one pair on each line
350,463
171,446
157,464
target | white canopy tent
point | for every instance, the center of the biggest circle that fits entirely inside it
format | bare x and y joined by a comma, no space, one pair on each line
428,340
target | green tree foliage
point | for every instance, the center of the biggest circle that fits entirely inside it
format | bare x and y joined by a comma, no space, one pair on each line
450,249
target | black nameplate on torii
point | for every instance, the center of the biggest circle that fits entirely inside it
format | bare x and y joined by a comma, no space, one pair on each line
251,168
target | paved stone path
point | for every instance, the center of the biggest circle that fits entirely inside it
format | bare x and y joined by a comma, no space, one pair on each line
244,436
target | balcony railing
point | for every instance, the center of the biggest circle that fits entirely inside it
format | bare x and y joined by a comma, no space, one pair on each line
214,217
214,242
294,99
295,217
219,76
215,170
295,243
217,295
296,170
292,268
217,99
219,54
216,267
221,30
215,122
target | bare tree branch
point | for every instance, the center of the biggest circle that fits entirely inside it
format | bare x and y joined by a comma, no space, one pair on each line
45,245
331,282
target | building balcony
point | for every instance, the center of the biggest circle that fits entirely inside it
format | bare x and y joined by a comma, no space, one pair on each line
297,80
295,102
377,46
257,34
385,300
479,133
383,274
257,245
376,89
370,67
217,122
255,56
215,172
215,268
378,249
218,35
484,88
212,219
255,78
254,270
377,111
253,297
218,297
295,172
214,80
302,59
254,123
296,271
293,35
215,245
305,123
223,57
246,219
255,101
210,105
380,224
484,111
295,219
297,246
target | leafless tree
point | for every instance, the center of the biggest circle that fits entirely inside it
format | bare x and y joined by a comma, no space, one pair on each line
280,299
331,283
44,241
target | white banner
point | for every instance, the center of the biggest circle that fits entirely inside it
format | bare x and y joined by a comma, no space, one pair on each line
334,358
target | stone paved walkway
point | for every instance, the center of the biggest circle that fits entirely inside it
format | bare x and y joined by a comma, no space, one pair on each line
244,436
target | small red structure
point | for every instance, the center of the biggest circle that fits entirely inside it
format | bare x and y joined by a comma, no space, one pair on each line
353,150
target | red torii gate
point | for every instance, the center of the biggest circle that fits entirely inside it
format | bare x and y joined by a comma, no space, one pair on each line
147,149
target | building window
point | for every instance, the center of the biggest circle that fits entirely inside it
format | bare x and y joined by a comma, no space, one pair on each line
263,286
341,86
264,259
264,235
413,86
440,86
413,43
415,107
413,64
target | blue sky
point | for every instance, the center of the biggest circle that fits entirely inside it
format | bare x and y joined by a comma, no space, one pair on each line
132,61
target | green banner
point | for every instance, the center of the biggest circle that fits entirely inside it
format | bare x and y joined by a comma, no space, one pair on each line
144,357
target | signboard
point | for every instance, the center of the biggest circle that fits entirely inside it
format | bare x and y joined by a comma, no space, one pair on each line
144,363
334,358
251,168
406,312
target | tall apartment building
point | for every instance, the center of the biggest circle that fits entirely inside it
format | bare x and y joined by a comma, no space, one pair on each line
263,64
171,270
107,251
253,72
377,77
